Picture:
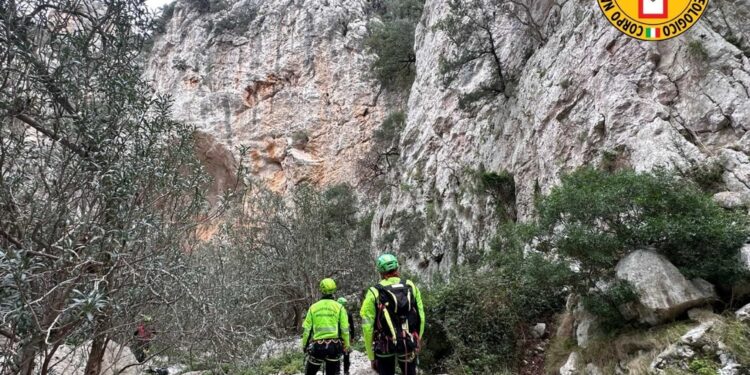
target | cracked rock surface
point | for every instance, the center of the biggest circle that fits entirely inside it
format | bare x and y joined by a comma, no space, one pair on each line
586,93
290,70
292,84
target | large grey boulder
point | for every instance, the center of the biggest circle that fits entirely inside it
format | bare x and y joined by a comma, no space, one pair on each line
663,292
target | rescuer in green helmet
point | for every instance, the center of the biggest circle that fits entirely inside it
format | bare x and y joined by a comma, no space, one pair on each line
325,335
392,320
347,362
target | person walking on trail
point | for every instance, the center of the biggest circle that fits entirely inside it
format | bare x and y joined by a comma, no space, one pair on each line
347,362
325,332
143,336
392,320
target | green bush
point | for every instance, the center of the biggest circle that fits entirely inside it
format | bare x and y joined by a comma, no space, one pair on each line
597,217
392,41
697,51
237,22
476,318
165,15
708,176
501,186
604,304
703,366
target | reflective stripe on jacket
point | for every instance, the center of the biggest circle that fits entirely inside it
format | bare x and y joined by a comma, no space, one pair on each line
369,309
326,320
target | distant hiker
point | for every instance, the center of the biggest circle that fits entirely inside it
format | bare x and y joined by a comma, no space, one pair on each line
325,335
143,336
349,316
392,320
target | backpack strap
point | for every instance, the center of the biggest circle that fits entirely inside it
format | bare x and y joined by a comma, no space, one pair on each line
380,309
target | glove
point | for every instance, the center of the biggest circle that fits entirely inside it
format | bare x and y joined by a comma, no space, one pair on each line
374,365
419,342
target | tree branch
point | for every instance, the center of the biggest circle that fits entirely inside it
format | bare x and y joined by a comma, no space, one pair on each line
40,128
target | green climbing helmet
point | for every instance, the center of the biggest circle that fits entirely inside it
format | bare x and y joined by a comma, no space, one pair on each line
386,263
327,286
341,301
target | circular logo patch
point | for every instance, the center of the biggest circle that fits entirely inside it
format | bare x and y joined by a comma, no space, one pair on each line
653,19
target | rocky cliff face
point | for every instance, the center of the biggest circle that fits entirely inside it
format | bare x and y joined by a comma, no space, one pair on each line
291,83
588,95
286,80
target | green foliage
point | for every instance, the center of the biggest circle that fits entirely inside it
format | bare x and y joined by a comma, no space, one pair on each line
697,51
475,317
609,160
412,227
392,41
736,335
604,303
207,6
365,227
238,21
165,15
565,83
703,366
390,130
99,186
502,187
708,176
597,217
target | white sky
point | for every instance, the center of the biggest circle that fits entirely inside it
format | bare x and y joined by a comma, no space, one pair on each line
155,4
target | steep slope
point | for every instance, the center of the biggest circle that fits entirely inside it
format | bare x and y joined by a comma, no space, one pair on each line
287,80
587,95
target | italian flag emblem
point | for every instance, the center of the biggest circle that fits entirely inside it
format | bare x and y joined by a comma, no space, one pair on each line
652,32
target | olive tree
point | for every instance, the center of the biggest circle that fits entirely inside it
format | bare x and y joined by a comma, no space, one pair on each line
255,279
98,186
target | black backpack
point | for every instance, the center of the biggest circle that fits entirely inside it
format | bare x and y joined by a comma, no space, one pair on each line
396,302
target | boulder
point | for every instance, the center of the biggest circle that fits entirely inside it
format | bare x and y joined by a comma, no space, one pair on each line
731,199
587,327
592,369
572,365
743,314
745,256
742,288
538,330
663,292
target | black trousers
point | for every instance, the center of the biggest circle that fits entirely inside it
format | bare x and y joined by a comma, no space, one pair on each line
321,353
387,365
347,363
332,367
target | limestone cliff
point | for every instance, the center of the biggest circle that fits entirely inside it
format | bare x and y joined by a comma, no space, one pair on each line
586,94
289,79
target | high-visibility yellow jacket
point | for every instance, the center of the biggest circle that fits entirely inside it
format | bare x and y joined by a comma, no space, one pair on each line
325,320
369,309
